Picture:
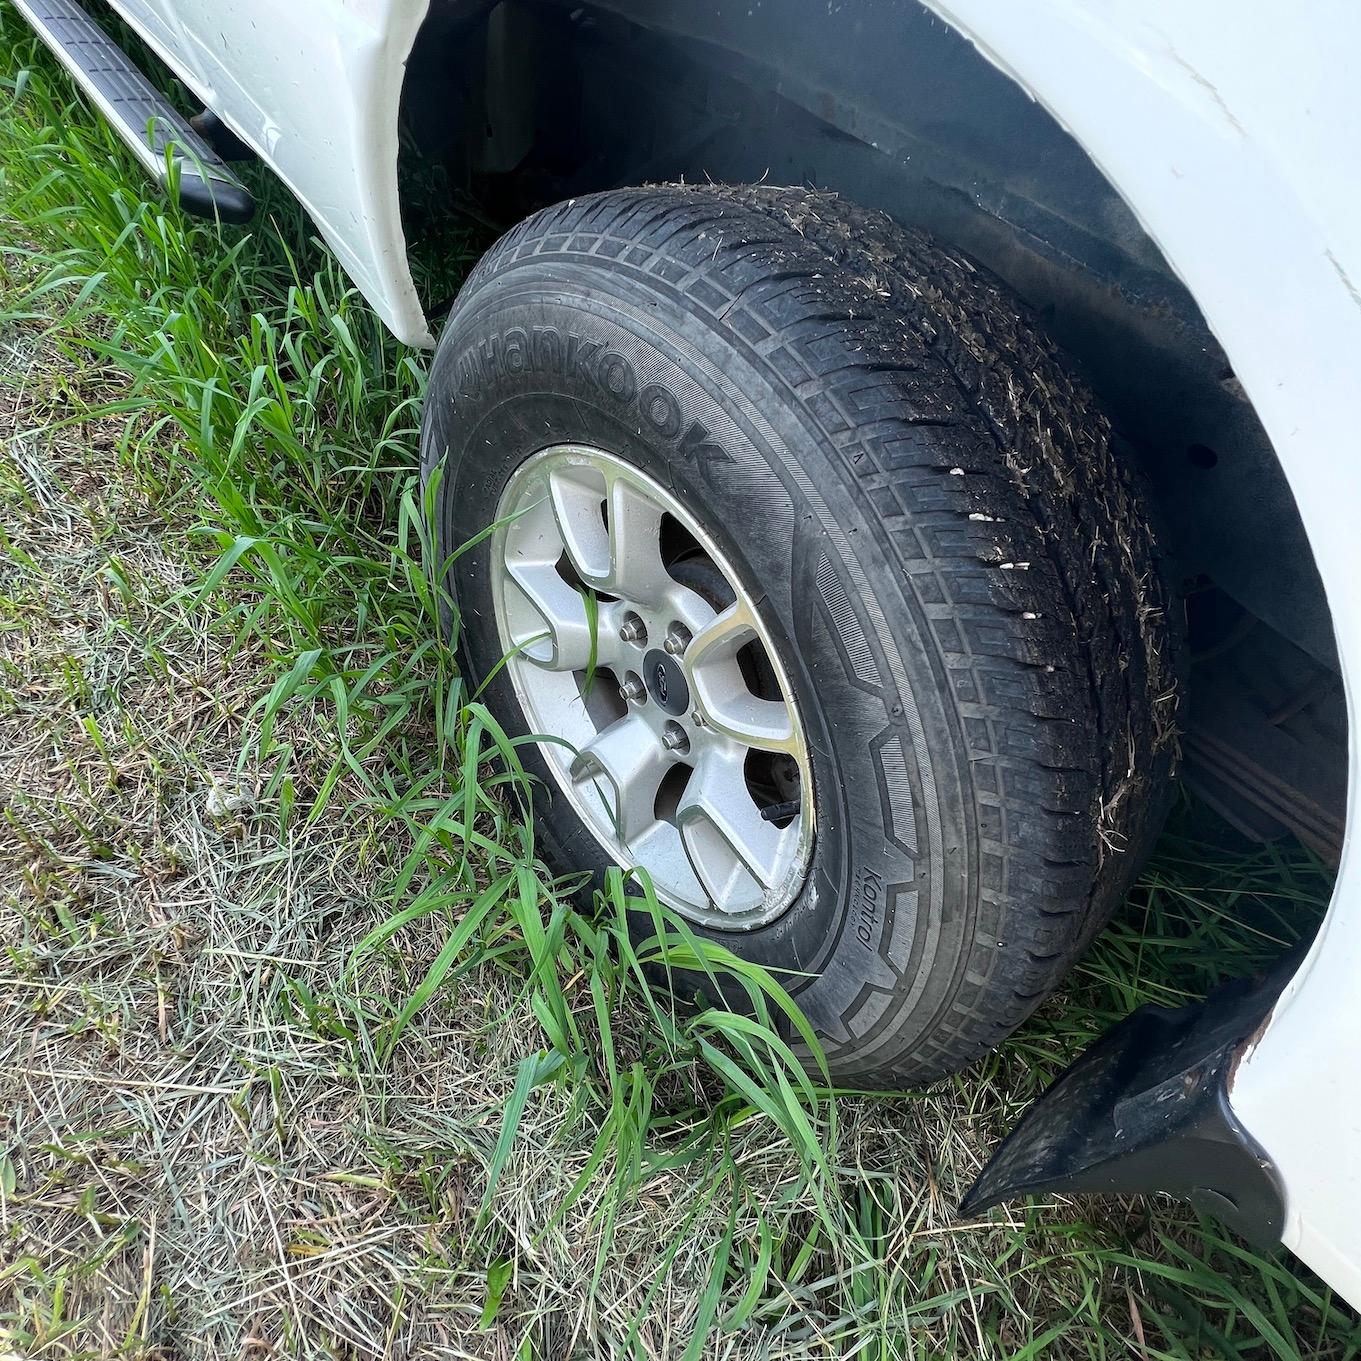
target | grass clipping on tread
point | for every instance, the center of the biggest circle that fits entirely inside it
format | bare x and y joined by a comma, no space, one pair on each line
301,1051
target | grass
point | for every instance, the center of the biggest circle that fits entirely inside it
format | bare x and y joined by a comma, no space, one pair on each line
302,1049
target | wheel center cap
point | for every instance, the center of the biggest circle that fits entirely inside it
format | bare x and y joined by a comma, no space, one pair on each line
665,681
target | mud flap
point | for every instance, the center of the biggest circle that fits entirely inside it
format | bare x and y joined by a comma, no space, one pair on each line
1147,1109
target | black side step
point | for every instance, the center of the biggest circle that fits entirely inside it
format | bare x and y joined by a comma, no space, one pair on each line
140,114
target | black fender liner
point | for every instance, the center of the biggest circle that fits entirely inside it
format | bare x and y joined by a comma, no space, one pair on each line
1147,1109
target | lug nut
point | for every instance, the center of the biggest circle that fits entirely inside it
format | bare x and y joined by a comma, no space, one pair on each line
633,690
674,738
633,630
677,639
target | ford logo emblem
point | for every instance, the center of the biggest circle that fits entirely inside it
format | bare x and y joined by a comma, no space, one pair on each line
661,683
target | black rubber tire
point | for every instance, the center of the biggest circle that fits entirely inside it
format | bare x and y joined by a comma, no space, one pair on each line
956,569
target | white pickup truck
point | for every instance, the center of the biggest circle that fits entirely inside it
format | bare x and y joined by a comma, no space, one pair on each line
873,554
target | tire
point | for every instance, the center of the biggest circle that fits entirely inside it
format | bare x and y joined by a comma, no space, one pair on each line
955,571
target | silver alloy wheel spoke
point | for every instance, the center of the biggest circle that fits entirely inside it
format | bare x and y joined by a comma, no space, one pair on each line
721,692
576,500
636,566
722,830
551,625
656,731
631,763
622,558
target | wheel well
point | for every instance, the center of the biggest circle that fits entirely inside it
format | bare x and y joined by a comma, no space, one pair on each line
520,103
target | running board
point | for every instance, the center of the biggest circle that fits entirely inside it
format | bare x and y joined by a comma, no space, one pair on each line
139,113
